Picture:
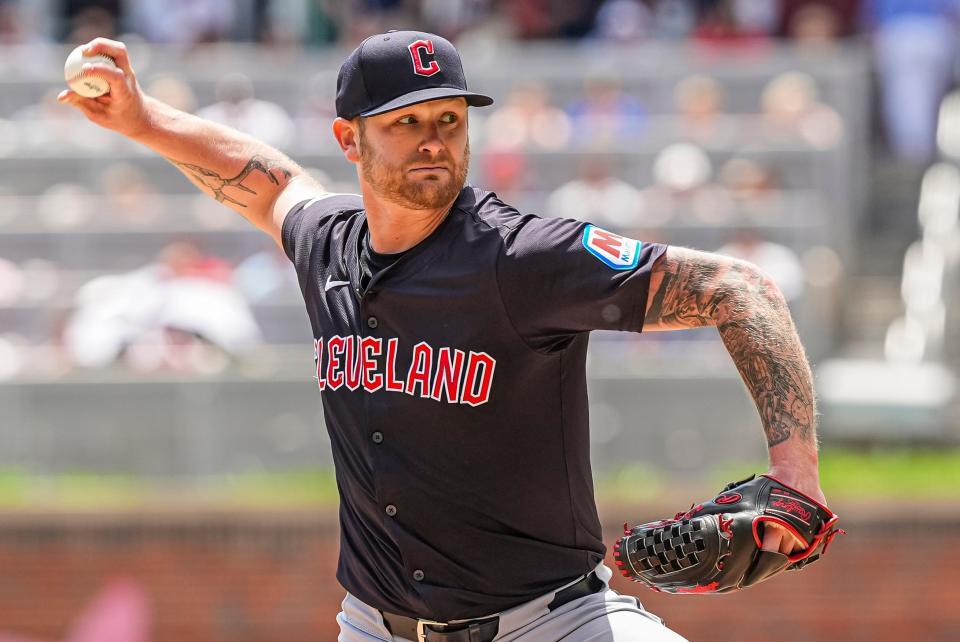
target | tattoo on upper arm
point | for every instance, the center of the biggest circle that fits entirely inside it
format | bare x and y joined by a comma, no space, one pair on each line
688,295
217,184
755,326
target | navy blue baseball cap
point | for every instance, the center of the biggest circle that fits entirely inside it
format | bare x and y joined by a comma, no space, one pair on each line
400,68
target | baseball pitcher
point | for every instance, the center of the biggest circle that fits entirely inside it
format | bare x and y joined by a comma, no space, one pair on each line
450,336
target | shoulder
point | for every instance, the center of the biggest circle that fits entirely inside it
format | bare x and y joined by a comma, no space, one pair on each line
527,235
313,213
488,211
306,216
301,191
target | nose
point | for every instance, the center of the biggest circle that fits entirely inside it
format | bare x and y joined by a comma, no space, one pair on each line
432,143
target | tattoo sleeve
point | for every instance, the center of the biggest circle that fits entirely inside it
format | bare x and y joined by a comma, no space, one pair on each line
274,170
693,289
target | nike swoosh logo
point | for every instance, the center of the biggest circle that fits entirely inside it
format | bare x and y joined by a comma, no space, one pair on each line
332,284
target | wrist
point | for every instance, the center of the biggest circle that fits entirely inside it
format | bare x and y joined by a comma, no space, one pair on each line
805,479
143,123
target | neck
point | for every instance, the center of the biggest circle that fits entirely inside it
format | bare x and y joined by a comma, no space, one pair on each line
394,228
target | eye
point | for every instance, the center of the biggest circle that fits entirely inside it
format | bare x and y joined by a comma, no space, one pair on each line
449,117
406,120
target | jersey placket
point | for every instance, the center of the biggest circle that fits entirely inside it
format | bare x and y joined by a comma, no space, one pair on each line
374,321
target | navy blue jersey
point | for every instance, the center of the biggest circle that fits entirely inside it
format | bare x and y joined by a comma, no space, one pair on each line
455,395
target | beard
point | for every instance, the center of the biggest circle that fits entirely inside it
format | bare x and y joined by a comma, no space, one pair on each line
392,184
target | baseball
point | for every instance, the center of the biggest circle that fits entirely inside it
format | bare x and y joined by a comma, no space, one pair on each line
86,86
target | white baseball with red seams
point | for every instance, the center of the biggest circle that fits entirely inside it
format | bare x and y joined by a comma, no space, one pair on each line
86,85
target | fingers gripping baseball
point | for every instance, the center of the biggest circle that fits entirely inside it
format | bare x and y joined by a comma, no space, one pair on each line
121,108
113,48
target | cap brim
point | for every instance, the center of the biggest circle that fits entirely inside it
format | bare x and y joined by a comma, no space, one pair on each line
423,95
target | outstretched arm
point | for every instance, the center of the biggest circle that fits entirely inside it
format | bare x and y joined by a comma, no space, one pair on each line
690,289
250,177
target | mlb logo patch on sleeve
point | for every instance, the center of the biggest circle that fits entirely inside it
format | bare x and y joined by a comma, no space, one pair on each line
613,250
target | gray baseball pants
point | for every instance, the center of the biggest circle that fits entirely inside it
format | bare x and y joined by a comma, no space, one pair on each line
605,616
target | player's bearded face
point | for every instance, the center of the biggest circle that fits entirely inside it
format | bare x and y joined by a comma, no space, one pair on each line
393,179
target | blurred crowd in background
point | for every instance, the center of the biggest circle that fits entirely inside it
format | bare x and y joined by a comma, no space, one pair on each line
191,307
323,22
915,40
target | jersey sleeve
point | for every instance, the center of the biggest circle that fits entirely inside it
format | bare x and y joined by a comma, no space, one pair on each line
559,277
304,221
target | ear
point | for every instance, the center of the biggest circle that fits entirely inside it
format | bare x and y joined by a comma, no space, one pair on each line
348,138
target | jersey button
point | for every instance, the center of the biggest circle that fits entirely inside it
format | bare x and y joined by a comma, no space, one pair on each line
372,322
391,510
418,575
377,437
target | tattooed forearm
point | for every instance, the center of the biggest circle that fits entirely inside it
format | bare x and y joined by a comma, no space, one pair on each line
216,183
771,362
693,289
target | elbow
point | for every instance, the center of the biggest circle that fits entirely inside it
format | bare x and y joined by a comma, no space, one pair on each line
756,283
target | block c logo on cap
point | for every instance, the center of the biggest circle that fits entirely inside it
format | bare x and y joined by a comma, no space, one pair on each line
416,52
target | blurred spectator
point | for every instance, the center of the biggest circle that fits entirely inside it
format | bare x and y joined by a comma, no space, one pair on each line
16,26
180,313
734,22
623,21
185,22
915,44
324,22
64,206
682,167
674,19
47,127
599,197
453,17
315,115
12,31
606,114
25,23
746,178
185,260
363,18
818,21
814,24
683,187
283,23
264,274
756,16
506,170
90,22
550,18
527,119
699,102
793,112
237,107
779,262
129,196
173,90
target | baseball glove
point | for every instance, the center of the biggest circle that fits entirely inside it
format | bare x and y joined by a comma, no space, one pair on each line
715,547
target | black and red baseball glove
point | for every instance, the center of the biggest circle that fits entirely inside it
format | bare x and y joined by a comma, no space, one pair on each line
715,547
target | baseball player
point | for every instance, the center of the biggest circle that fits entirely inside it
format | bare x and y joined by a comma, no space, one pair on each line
450,335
